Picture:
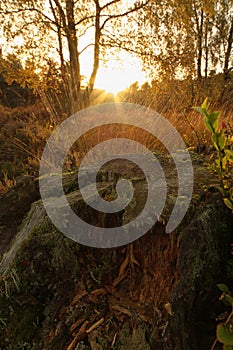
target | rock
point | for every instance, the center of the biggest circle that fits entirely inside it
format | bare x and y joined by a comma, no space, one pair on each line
133,339
13,206
203,255
49,283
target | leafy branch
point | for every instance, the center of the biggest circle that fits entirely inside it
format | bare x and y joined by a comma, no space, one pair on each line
224,332
223,143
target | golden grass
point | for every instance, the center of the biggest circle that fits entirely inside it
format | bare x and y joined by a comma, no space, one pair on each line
25,130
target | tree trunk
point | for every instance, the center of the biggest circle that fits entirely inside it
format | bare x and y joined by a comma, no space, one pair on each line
227,69
199,47
96,49
74,55
206,48
63,69
228,52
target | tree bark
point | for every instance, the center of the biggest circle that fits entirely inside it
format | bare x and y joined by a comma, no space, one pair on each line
206,48
73,53
97,47
199,46
228,52
68,24
227,69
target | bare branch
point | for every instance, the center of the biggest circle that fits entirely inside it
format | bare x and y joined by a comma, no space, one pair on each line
62,14
136,8
54,13
25,25
28,9
109,4
85,31
123,45
84,19
113,16
86,47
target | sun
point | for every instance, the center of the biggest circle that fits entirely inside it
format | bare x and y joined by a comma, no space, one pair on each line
118,75
111,80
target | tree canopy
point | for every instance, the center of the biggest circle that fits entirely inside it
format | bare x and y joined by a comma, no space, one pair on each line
188,37
58,27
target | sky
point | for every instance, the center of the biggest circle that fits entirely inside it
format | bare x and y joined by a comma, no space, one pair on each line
117,75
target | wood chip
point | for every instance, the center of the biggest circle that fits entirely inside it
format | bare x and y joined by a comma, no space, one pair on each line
122,310
82,334
95,325
76,325
168,308
101,291
114,341
78,297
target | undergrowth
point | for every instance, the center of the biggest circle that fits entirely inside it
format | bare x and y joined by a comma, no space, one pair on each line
25,130
222,139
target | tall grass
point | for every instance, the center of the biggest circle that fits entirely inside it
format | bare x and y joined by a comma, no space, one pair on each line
25,130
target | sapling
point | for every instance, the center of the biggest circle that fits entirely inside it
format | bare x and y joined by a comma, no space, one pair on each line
222,138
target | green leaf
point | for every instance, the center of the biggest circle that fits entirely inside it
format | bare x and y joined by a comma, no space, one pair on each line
204,104
200,110
213,120
224,163
229,155
224,334
226,299
228,203
219,141
227,347
231,192
223,288
208,125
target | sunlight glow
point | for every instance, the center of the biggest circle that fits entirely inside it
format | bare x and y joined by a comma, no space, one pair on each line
118,75
118,72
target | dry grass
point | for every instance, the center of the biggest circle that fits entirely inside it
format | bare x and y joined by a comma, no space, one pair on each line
24,131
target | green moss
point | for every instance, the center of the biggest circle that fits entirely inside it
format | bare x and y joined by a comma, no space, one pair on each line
44,264
22,324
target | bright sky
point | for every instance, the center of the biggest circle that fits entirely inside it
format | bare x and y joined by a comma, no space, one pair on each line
119,72
118,75
115,76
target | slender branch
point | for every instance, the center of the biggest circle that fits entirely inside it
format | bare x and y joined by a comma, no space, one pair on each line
56,19
85,30
136,8
109,4
225,323
228,318
54,13
28,9
114,43
62,14
85,48
127,49
59,38
214,344
25,25
84,19
88,17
